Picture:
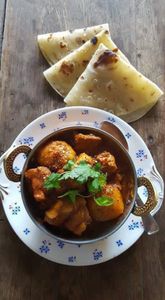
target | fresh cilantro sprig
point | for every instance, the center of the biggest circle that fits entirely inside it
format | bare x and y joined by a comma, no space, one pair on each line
96,185
71,195
52,181
69,165
104,201
81,173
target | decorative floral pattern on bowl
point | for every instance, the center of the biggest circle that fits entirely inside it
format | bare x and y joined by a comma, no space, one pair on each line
56,250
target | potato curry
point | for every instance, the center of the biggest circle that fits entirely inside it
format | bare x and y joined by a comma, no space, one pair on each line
76,184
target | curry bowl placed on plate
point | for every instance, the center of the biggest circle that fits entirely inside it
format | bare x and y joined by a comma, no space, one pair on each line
98,230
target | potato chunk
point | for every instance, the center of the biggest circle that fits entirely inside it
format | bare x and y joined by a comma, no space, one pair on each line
87,143
37,177
55,154
106,213
58,213
85,157
107,161
80,218
73,216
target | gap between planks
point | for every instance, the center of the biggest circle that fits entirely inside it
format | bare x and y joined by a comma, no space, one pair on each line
3,6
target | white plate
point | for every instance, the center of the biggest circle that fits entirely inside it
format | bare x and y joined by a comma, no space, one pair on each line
42,243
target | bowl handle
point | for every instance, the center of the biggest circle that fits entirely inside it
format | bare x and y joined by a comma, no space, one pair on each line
151,200
8,162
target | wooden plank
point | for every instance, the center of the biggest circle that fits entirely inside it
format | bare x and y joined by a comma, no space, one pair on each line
150,61
2,21
138,28
2,18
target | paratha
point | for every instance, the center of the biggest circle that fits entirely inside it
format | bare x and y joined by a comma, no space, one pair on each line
110,83
54,46
63,75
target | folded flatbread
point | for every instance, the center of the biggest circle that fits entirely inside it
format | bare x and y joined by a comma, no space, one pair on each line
63,75
55,46
110,83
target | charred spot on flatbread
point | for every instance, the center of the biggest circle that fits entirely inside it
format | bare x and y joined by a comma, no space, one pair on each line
107,57
94,40
67,68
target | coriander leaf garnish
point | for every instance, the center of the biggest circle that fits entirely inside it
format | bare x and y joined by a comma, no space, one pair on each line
102,180
69,165
80,173
71,195
97,167
52,181
97,183
93,186
104,201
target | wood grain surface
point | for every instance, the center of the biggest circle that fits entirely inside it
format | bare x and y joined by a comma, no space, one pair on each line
137,27
2,23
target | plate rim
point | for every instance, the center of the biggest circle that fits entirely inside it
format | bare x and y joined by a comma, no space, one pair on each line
33,123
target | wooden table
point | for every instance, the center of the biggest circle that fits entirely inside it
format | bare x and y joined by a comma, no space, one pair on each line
138,28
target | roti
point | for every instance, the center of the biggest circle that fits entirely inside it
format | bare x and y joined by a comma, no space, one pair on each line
110,83
54,46
63,75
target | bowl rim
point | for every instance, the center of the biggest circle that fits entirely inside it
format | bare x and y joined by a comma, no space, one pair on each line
60,130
